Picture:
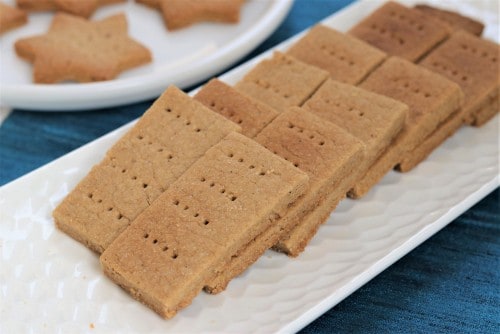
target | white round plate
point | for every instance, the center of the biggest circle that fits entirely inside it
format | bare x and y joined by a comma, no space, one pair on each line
183,57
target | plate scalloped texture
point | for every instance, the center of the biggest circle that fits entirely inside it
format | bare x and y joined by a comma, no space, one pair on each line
50,283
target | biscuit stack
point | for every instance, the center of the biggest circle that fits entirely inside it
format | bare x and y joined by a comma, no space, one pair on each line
201,187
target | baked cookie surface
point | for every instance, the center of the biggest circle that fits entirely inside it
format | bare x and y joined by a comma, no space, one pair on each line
249,113
431,99
328,147
454,19
76,49
178,14
174,133
373,118
474,64
345,57
224,200
401,31
282,81
323,150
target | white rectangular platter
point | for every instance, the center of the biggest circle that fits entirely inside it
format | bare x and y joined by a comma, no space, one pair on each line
50,283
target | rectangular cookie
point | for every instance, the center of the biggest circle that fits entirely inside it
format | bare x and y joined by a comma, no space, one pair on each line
385,162
299,238
282,81
225,199
445,130
431,99
322,150
401,31
372,118
453,19
473,63
174,133
249,113
345,57
486,112
293,245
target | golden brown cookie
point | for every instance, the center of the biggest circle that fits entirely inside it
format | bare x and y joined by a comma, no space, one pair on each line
75,49
163,144
249,113
223,201
345,57
11,17
453,19
325,152
282,81
84,8
473,63
372,118
179,14
401,31
486,113
431,99
468,61
299,238
436,138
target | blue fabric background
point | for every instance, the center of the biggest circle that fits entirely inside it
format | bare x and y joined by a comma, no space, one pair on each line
450,284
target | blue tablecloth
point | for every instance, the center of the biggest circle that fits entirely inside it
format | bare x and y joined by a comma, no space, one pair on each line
451,283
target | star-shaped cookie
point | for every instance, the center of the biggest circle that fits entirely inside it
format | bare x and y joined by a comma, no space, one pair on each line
83,8
76,49
182,13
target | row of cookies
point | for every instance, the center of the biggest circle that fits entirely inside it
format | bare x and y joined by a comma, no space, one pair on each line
177,14
443,42
176,200
204,205
462,89
425,108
